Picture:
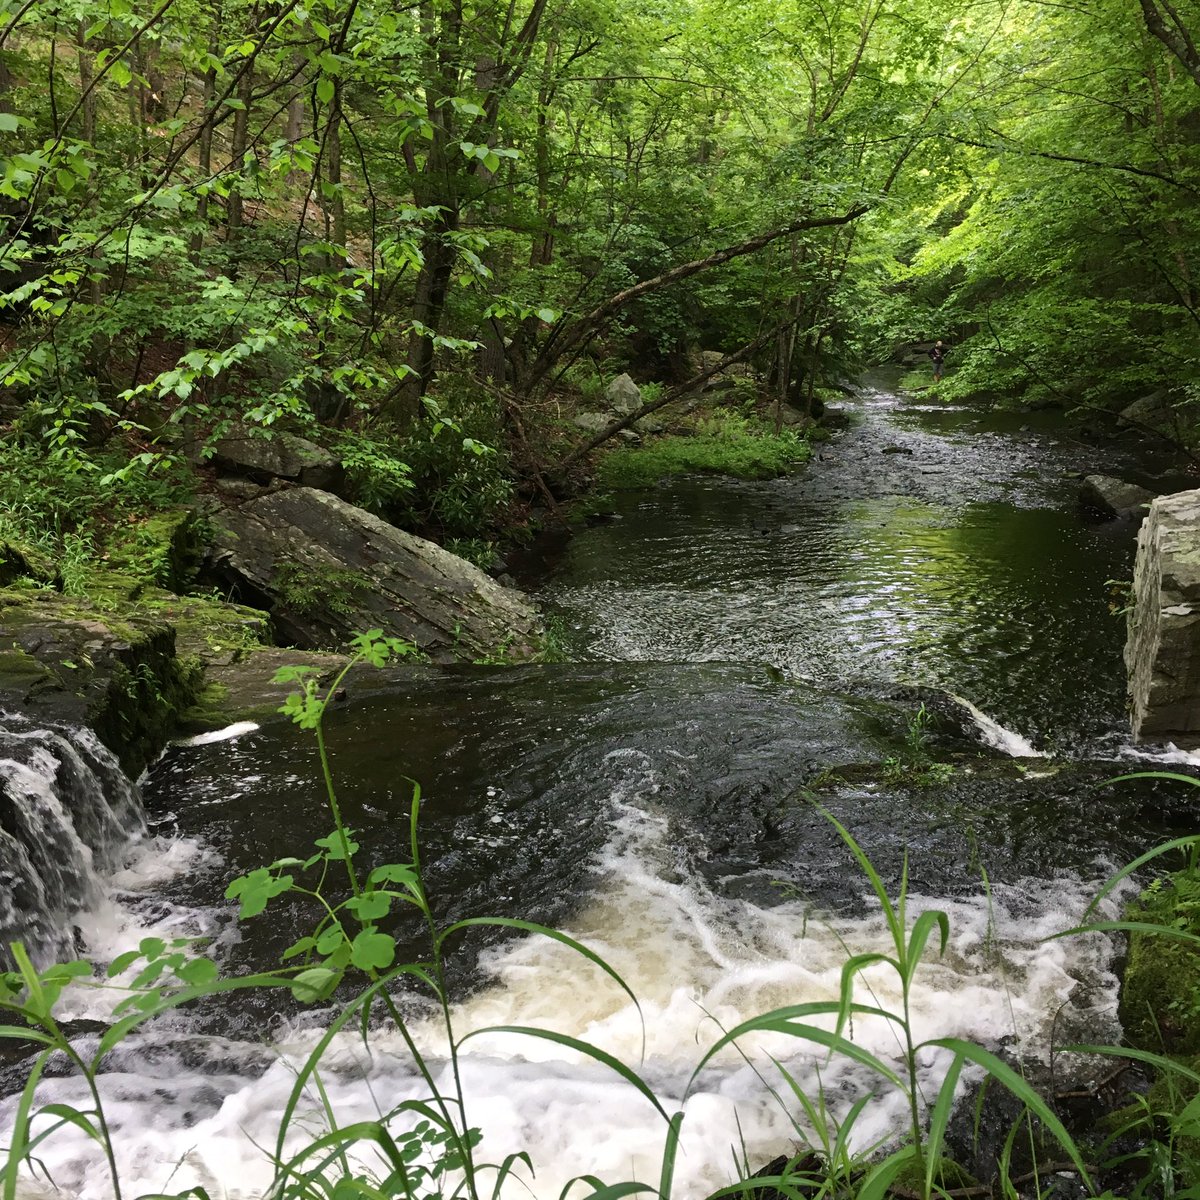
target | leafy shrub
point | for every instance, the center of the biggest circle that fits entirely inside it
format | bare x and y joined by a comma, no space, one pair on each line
376,469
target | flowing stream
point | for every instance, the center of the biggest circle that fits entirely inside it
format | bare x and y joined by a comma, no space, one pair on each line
748,652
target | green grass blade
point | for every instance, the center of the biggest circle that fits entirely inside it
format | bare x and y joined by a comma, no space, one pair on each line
779,1021
1004,1074
22,1033
1179,843
939,1118
506,1169
18,1148
851,967
878,1181
1161,1061
1166,931
560,937
605,1191
877,886
670,1150
586,1048
922,928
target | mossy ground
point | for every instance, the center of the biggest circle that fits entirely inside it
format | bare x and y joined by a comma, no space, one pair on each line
720,442
1160,993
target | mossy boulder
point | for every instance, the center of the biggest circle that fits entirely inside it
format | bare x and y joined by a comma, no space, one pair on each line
1160,991
165,549
120,678
126,659
19,561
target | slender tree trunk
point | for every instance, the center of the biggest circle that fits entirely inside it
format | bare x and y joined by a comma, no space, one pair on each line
239,141
86,74
205,144
337,201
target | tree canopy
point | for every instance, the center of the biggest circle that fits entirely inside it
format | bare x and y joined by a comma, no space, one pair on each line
412,227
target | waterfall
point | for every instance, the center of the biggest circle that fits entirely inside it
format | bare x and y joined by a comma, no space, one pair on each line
66,813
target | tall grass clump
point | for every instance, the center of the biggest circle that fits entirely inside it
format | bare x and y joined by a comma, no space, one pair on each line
427,1148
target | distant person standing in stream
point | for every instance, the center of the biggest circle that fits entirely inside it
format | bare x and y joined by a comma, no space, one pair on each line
938,354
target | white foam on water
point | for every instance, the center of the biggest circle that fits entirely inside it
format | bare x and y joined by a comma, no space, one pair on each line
236,730
189,1113
1168,755
995,735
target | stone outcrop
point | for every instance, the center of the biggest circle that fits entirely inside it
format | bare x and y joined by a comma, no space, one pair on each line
264,460
1162,653
1152,415
1110,497
327,570
623,396
118,675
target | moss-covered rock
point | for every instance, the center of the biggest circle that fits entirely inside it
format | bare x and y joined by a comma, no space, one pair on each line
165,549
126,659
1160,991
20,561
120,678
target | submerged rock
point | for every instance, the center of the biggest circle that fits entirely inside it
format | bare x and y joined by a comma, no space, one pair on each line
1162,652
327,570
1112,497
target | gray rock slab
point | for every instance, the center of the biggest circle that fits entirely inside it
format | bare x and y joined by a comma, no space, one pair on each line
327,570
1162,651
1112,497
249,453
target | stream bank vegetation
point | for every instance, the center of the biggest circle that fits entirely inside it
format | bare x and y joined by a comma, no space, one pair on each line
423,239
427,1147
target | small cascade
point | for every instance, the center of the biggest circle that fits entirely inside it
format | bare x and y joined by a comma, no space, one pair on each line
67,812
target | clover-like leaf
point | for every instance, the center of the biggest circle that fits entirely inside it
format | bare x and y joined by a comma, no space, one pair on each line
315,984
372,950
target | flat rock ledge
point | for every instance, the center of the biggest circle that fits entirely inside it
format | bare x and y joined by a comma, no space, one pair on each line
327,570
119,676
1162,652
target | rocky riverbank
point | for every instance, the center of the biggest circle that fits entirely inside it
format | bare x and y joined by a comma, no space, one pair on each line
138,662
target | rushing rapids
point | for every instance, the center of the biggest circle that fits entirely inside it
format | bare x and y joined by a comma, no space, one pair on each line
67,816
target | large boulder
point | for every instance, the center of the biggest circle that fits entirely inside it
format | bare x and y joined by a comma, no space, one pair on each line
623,395
1111,497
327,570
1162,652
265,457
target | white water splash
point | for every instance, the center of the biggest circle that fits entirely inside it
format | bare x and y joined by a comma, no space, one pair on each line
191,1112
236,730
993,734
1168,755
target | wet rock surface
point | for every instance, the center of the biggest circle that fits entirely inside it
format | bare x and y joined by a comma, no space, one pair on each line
1162,653
327,570
116,675
1109,497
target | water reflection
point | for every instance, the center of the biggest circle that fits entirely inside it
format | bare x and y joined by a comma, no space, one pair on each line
916,549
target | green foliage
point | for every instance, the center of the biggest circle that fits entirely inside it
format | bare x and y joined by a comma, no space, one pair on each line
380,478
724,443
462,482
915,767
311,588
